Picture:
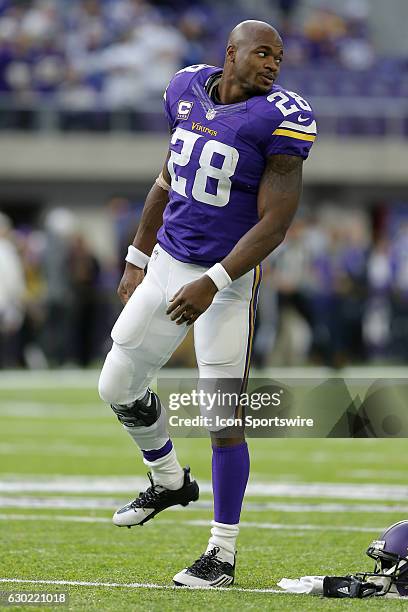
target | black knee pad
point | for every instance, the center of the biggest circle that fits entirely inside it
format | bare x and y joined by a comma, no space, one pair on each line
139,414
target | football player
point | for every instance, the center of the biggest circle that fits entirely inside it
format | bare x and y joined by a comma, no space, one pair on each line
223,201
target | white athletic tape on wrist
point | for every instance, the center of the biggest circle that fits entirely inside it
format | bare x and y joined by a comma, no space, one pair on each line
136,257
161,182
219,276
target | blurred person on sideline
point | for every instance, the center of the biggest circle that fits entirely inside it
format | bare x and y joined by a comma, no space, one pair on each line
378,311
399,294
12,288
267,318
350,267
325,244
85,271
60,226
31,245
291,272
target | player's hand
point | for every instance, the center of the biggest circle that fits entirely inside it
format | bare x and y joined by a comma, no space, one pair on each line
132,277
192,300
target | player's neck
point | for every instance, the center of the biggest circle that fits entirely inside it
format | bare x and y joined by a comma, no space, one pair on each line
230,92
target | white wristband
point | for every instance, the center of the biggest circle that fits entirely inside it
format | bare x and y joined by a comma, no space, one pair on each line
136,257
219,276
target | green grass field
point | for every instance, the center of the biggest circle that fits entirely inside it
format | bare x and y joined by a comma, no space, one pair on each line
66,464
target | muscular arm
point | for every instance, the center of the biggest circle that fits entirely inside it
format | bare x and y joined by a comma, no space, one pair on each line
278,198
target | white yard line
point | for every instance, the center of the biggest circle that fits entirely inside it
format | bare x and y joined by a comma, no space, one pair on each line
193,523
103,503
124,485
138,585
286,527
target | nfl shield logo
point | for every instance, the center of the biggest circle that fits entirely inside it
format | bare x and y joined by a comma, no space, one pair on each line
210,114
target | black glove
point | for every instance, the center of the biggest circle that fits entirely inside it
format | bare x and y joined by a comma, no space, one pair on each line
348,586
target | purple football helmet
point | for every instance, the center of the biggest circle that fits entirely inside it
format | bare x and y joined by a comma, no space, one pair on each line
390,553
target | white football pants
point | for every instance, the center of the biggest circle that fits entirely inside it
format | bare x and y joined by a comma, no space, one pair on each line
144,337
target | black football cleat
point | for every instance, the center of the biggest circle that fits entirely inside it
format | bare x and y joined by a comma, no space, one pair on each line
210,570
155,499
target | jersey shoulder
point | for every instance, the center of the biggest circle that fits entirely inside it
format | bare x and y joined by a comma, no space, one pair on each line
280,104
286,122
180,90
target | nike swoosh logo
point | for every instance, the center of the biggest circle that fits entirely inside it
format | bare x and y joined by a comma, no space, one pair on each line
303,119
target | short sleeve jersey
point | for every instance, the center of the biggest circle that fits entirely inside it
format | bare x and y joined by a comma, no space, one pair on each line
218,154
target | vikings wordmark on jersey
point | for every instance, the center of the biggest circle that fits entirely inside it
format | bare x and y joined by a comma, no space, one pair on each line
218,155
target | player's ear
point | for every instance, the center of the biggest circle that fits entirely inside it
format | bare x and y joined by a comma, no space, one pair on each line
230,54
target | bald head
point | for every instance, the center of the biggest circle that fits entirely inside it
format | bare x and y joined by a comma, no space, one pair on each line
252,61
251,32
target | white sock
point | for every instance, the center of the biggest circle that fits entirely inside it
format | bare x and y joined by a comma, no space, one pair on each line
167,471
224,536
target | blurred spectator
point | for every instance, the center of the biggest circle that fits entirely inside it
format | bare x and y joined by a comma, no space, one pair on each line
291,270
267,317
288,7
399,258
12,288
351,289
324,29
60,227
122,65
192,26
162,47
377,316
30,352
84,270
79,103
125,218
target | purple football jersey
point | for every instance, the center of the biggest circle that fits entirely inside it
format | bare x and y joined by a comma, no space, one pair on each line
218,155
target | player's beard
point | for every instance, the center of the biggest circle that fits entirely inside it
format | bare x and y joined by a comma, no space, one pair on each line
253,88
